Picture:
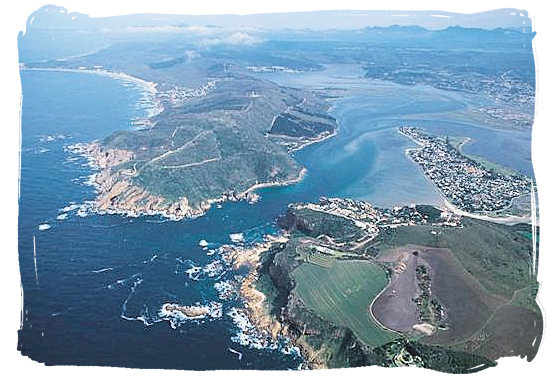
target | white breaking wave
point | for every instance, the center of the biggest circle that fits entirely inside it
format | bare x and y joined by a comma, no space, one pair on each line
236,237
103,270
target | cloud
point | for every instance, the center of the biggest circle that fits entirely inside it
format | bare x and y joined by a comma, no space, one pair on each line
154,29
202,36
237,38
174,29
191,55
201,30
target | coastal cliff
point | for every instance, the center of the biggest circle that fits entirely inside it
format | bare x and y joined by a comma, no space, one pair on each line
318,287
209,145
322,344
277,315
117,192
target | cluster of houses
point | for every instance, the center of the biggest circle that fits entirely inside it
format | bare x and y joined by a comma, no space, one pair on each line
371,219
178,95
464,182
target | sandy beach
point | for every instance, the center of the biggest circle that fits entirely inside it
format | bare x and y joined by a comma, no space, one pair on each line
288,182
146,86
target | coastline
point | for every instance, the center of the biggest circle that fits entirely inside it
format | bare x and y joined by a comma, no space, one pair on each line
147,87
117,195
105,181
288,182
315,140
302,143
267,329
111,185
506,220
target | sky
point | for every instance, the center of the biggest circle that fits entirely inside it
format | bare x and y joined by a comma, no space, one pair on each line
54,17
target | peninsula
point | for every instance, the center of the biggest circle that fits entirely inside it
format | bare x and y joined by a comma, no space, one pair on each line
214,143
354,285
471,187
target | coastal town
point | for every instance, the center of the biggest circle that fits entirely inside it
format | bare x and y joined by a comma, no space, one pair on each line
465,183
370,220
178,95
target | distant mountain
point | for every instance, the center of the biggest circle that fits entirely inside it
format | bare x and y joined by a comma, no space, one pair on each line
452,36
54,17
54,32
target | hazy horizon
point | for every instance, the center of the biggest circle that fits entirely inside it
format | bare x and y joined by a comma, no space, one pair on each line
55,17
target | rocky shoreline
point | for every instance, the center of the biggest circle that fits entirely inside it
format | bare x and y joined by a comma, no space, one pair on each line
288,325
117,194
266,329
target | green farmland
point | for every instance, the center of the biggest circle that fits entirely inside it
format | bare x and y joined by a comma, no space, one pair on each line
342,294
496,255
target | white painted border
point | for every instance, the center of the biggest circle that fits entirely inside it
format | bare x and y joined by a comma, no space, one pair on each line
14,18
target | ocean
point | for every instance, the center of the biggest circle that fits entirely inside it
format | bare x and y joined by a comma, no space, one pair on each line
94,284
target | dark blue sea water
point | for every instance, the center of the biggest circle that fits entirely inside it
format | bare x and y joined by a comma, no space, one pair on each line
94,294
99,275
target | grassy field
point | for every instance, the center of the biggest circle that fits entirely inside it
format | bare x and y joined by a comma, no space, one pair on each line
499,258
213,144
342,294
495,255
